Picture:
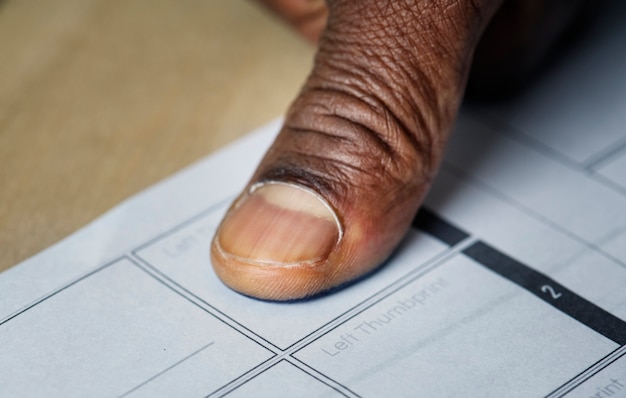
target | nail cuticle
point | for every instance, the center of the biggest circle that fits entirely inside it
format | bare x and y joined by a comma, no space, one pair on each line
261,184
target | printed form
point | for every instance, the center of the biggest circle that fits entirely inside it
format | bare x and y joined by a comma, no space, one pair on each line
512,281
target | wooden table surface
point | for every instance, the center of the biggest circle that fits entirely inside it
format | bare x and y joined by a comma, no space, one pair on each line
102,98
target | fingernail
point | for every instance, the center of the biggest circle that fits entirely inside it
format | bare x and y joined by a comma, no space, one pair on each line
279,224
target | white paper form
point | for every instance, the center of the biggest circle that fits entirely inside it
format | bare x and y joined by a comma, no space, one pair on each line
512,281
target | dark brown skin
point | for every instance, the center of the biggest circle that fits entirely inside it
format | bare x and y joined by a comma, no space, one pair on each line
362,142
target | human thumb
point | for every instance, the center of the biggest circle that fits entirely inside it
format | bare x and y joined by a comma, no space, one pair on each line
359,148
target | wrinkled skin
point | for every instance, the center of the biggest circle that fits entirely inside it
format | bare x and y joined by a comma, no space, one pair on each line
368,130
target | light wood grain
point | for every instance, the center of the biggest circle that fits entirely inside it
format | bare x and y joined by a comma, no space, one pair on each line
102,98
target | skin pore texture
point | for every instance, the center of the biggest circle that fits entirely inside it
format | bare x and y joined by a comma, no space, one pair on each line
360,145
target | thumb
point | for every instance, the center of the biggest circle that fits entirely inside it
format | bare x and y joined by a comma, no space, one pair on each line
338,189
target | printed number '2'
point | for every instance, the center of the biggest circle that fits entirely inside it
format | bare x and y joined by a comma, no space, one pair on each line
550,290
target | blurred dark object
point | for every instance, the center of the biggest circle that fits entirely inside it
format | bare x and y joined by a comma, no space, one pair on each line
523,40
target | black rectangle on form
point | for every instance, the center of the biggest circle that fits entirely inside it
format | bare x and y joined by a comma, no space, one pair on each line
439,228
550,291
